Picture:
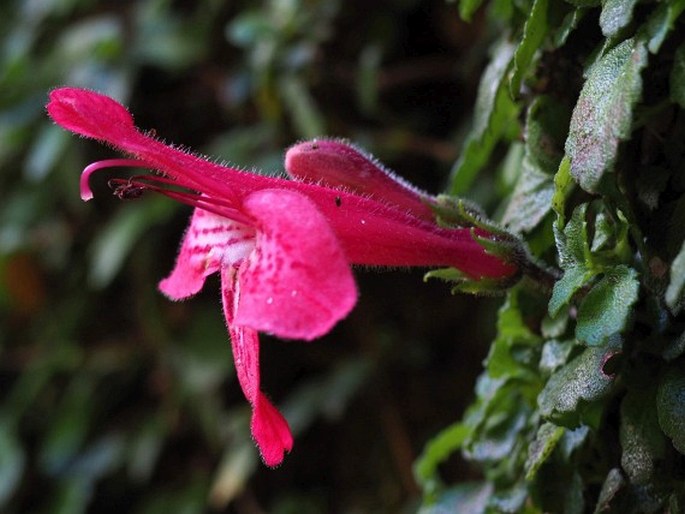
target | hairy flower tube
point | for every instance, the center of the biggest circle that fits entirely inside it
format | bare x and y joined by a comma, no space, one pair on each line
283,248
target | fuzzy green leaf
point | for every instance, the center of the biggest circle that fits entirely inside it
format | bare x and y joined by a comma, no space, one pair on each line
531,200
580,382
554,355
670,404
662,22
494,114
512,333
574,278
546,130
573,244
436,451
467,498
542,447
611,488
616,14
603,115
568,25
642,441
563,185
574,258
534,32
607,307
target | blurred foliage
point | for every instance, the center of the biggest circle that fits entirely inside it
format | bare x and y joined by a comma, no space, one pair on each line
114,399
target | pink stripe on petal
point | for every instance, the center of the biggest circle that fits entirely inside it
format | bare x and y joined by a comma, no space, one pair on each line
209,242
297,283
244,341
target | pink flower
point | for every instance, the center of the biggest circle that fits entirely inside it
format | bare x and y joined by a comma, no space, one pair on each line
283,248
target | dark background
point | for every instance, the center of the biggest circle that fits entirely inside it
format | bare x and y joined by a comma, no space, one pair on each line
114,399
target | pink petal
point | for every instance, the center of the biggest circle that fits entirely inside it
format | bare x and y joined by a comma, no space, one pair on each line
209,241
269,428
270,431
89,114
338,164
297,283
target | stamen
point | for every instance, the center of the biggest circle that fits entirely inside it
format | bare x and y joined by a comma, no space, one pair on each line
206,203
135,186
86,191
126,190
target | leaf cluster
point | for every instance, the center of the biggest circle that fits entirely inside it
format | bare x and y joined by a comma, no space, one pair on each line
580,404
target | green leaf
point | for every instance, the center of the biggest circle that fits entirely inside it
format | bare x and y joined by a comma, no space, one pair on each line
611,488
534,32
677,79
494,115
12,462
674,292
114,244
542,447
573,244
468,7
616,15
199,358
568,25
670,404
69,428
47,149
574,257
509,500
555,354
563,185
71,496
546,130
531,200
512,333
238,463
642,441
661,23
466,498
573,440
144,448
603,115
582,381
303,109
607,307
498,441
574,278
436,451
